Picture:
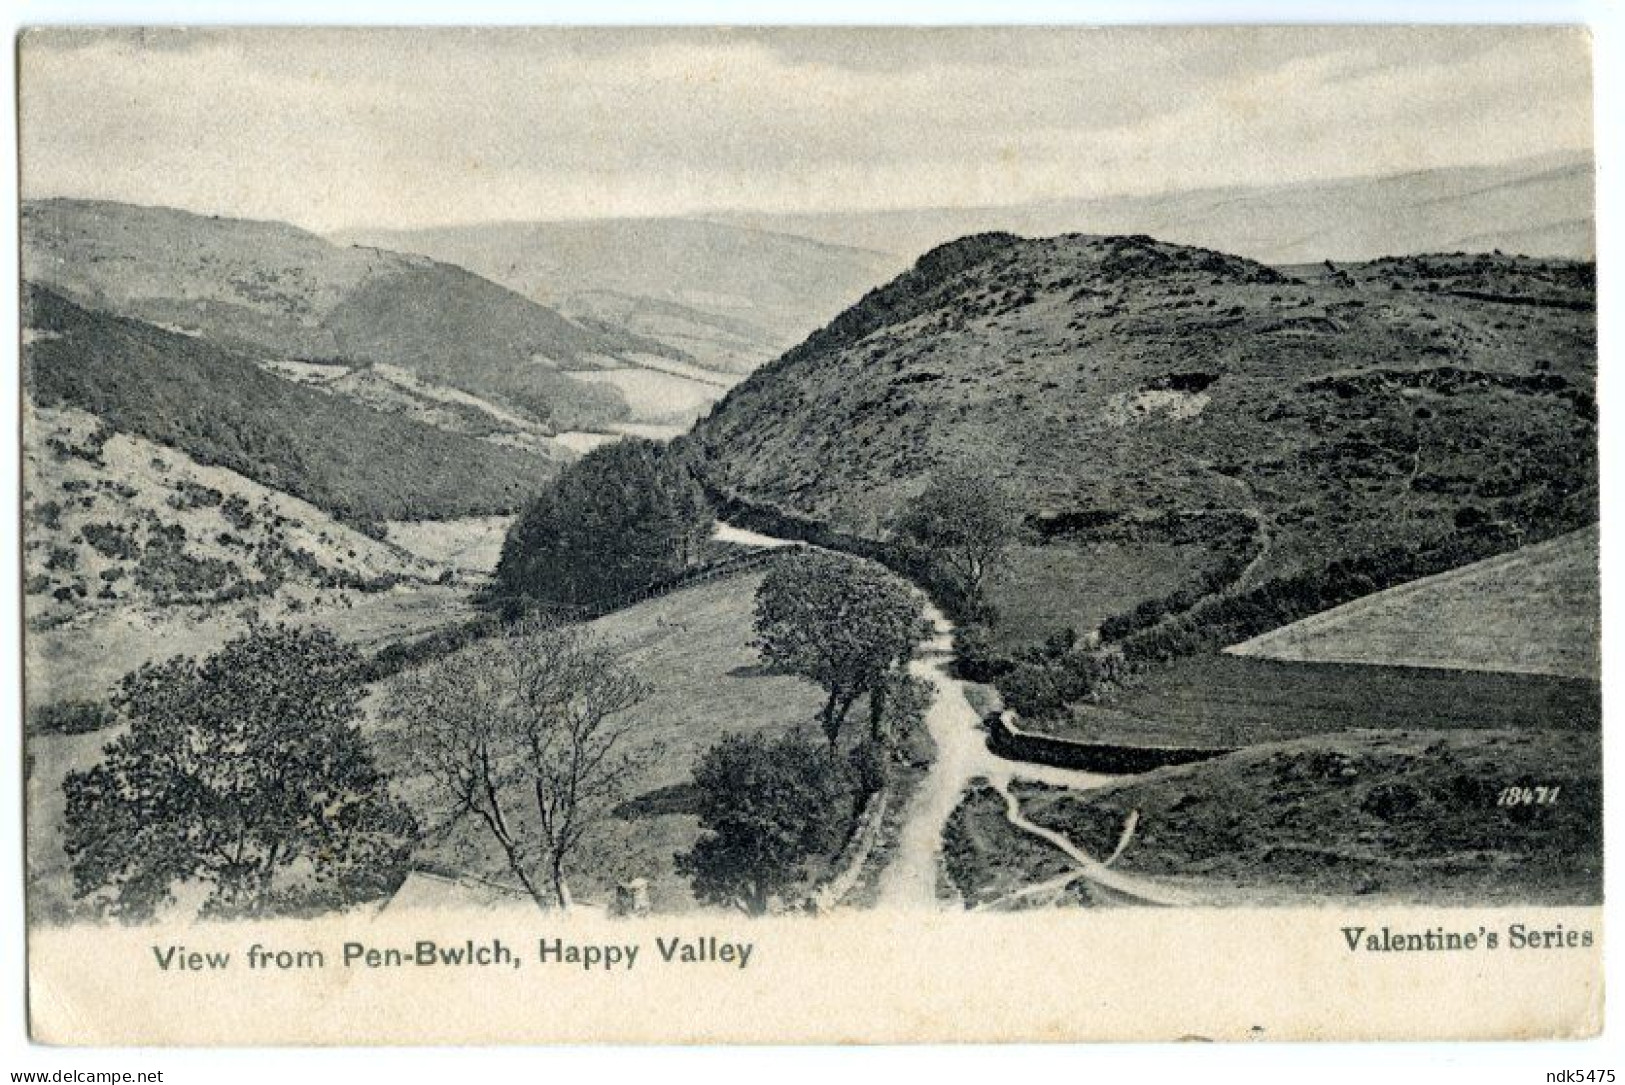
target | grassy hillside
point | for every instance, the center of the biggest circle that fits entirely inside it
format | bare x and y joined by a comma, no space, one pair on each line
1226,700
1150,394
222,409
693,648
289,294
114,520
1533,611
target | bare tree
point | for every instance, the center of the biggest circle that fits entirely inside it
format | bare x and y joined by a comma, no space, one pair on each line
529,733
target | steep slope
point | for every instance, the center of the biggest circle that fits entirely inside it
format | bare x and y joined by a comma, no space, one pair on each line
116,521
1138,391
729,296
1541,206
220,407
289,294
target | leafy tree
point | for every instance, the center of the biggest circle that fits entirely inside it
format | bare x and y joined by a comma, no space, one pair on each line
766,807
624,516
244,773
528,732
957,529
840,622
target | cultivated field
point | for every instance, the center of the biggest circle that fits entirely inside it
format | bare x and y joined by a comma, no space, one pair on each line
1533,611
1224,700
473,544
656,396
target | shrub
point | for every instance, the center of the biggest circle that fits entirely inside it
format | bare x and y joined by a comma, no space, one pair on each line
111,541
975,657
69,718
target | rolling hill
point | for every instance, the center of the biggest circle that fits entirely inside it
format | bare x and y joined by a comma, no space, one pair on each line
276,290
1135,392
221,408
1540,206
729,297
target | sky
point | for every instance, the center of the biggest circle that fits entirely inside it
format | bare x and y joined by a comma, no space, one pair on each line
335,129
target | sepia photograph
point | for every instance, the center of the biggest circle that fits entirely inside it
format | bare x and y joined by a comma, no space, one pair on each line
648,489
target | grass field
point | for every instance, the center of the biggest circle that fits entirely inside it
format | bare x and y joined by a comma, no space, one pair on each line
85,660
1079,584
1392,817
1224,700
693,648
1533,611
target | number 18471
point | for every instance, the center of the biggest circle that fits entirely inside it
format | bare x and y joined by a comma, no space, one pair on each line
1528,796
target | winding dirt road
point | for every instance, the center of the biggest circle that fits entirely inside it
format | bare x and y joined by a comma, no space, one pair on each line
909,881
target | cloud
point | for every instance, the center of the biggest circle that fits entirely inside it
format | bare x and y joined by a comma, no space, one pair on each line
336,128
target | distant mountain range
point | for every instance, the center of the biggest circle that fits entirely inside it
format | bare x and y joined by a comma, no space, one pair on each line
731,291
1536,207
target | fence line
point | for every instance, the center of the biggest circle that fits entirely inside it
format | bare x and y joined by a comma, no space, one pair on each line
700,574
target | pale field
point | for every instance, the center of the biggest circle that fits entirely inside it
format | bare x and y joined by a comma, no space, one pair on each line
655,396
80,649
584,441
1533,611
473,544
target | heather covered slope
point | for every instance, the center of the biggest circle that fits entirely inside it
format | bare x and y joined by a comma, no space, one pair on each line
1134,391
220,407
278,290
